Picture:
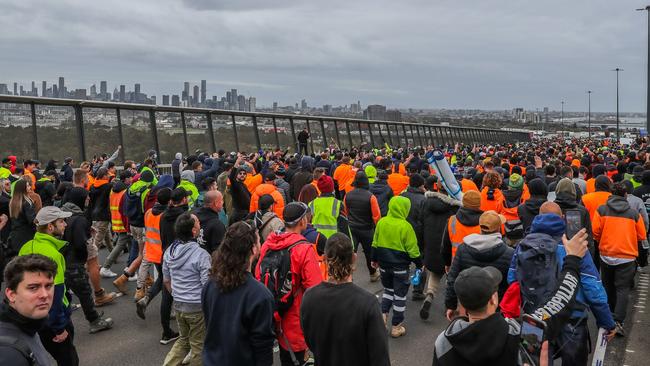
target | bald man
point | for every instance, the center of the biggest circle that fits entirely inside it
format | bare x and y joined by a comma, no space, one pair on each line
550,207
212,229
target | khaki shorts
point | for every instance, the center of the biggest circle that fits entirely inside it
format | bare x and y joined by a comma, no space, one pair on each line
93,252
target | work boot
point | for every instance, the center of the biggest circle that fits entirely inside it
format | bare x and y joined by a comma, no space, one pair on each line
426,307
121,284
374,277
141,307
139,294
417,296
100,324
102,298
397,331
149,281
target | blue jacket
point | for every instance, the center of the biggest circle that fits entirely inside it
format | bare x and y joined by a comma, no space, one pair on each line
591,292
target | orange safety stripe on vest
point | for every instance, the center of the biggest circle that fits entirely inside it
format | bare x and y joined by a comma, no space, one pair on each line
116,218
322,264
457,232
152,242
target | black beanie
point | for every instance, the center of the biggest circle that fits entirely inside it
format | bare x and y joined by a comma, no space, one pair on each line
537,187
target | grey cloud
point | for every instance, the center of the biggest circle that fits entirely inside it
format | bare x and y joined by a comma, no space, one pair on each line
498,54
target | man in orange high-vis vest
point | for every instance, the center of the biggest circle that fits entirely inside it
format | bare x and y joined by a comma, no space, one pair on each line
463,223
119,223
153,253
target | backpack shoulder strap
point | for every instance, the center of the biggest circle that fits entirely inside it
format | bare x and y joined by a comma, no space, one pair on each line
20,346
261,228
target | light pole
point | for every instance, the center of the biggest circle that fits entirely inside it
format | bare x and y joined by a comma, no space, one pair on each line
589,112
562,115
618,122
647,104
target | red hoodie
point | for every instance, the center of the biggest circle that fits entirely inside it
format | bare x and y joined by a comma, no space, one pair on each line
305,272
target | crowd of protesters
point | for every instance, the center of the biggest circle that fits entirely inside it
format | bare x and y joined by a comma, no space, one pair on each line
253,251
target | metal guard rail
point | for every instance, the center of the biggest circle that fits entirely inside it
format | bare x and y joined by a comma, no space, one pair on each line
375,133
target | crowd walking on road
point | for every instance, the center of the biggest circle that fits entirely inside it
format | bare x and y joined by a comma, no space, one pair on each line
254,254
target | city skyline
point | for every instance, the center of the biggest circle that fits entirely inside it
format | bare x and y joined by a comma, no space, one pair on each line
492,56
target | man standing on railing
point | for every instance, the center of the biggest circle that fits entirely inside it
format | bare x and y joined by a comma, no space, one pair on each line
303,138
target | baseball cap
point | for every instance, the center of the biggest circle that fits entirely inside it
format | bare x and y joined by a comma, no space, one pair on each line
294,212
49,214
475,285
491,221
179,193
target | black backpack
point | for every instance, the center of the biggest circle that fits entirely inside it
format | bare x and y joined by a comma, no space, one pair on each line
275,274
537,270
133,204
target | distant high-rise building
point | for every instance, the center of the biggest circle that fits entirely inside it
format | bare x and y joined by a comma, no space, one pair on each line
137,89
22,90
176,100
93,91
252,101
80,94
116,94
204,86
103,88
55,91
186,90
15,88
229,99
122,93
327,108
393,115
275,106
375,112
233,95
241,102
44,88
61,87
303,104
196,95
4,89
165,99
153,99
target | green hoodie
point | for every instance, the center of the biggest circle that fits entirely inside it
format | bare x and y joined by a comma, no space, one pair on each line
51,247
395,244
371,172
190,187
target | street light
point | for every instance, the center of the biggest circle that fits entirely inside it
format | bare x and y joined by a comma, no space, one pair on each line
647,104
618,135
589,112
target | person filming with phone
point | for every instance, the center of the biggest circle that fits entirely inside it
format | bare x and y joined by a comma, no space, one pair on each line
538,280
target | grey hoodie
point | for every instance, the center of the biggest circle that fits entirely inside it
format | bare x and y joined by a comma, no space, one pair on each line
187,266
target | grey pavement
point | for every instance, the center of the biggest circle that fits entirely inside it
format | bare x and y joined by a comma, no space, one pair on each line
133,341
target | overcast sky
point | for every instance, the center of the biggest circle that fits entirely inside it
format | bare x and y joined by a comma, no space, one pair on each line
493,54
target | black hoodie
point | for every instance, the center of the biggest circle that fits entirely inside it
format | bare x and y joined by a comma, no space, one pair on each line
212,229
167,221
566,201
436,210
490,341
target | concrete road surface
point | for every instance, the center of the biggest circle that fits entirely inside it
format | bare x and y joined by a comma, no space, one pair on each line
133,341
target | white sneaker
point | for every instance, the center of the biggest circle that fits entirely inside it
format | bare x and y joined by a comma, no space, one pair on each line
133,278
107,273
